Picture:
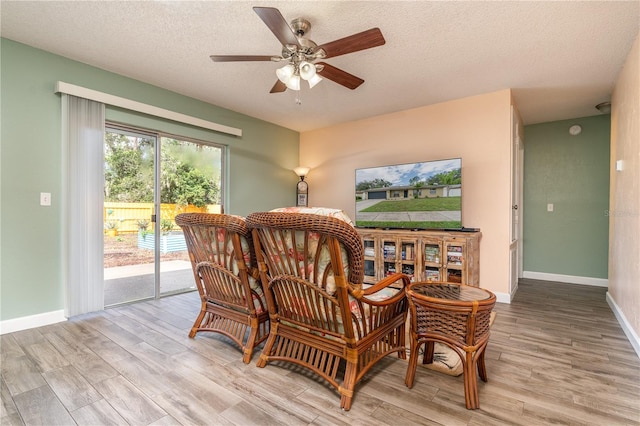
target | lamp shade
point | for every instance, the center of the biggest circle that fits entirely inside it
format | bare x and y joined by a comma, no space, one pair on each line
314,80
294,82
301,171
307,70
285,73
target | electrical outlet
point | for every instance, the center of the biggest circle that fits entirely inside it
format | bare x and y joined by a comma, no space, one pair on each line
45,198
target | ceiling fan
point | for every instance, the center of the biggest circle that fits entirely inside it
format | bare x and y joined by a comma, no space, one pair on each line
302,54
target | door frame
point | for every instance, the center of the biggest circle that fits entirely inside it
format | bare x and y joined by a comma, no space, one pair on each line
516,218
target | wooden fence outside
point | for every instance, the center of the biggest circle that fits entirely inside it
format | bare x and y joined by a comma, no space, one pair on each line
125,216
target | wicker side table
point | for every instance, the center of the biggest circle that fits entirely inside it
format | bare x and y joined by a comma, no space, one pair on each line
457,316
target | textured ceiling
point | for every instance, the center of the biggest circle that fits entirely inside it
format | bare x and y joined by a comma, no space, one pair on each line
560,58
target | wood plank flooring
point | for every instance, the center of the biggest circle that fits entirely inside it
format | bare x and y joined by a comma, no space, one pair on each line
556,356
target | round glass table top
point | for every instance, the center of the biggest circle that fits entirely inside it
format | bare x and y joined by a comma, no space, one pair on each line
449,291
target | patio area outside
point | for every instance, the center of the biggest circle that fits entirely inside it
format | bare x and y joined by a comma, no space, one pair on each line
129,270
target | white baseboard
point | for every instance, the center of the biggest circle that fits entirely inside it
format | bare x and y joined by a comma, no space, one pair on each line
571,279
503,297
626,327
32,321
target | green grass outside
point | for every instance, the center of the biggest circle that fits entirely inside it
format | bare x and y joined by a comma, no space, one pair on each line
409,225
417,205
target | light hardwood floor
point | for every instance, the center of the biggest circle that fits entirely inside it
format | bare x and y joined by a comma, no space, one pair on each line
556,356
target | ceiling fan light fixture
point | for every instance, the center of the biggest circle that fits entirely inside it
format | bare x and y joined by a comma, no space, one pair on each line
294,82
314,80
307,70
285,73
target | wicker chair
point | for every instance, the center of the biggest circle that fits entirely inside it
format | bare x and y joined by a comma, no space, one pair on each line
322,316
221,252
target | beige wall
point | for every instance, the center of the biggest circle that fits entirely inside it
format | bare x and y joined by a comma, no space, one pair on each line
624,223
477,129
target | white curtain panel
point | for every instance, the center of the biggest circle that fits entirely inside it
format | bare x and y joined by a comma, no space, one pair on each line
83,152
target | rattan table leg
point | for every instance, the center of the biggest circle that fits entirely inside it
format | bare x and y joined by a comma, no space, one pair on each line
427,358
470,383
482,370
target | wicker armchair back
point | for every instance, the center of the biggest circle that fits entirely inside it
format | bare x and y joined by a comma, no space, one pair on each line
322,316
224,267
319,225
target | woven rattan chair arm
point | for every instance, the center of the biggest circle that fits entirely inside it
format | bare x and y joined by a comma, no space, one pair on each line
388,281
382,285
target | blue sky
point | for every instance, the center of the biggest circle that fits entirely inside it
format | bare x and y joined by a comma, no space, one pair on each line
399,175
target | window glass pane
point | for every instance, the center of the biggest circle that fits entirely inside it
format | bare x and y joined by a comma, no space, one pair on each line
190,181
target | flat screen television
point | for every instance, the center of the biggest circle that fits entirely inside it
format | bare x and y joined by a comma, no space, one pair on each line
423,195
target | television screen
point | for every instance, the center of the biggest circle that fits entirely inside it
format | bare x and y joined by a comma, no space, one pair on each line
424,195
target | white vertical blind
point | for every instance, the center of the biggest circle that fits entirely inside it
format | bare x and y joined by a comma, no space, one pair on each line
83,152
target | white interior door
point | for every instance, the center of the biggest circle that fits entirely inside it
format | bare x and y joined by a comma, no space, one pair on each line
517,161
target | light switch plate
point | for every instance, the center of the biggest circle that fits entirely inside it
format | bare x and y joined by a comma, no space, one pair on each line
45,198
550,207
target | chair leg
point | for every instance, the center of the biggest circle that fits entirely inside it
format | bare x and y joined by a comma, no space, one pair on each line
268,345
401,333
251,341
198,321
412,364
348,384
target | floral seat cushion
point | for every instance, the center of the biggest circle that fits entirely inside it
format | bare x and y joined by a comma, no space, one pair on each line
323,258
308,271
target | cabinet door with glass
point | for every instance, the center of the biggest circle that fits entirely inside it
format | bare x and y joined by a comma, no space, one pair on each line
370,264
408,257
389,256
432,259
454,268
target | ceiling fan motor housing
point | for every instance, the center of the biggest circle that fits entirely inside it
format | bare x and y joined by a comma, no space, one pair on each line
306,50
300,26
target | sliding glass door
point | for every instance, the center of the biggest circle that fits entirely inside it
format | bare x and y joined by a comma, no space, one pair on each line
190,181
149,179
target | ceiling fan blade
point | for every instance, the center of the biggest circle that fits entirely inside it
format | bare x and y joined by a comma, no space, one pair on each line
235,58
277,24
278,87
364,40
349,81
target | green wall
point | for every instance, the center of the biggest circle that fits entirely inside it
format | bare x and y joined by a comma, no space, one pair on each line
572,173
259,175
